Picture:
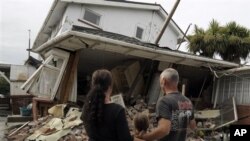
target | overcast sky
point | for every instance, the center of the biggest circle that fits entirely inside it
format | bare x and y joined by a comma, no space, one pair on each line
17,16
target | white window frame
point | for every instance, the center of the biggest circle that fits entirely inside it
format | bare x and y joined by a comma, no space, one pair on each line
143,30
49,56
91,11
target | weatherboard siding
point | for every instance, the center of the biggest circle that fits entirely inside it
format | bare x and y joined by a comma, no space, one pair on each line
122,21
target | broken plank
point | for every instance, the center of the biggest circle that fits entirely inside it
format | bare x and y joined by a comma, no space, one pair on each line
70,83
19,128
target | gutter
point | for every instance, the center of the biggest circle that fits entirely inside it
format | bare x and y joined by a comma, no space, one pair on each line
245,68
53,41
151,50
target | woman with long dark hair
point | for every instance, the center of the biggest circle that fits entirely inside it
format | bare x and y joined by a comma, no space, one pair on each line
103,120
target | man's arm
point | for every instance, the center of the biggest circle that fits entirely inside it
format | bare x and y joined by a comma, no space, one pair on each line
137,139
161,131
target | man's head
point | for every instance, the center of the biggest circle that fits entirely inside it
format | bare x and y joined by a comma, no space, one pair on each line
169,79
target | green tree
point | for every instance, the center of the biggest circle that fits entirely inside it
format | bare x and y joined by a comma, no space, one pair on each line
231,42
4,86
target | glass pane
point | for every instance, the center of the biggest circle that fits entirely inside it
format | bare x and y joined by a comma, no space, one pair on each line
227,113
44,85
226,89
238,93
139,32
91,17
56,62
245,93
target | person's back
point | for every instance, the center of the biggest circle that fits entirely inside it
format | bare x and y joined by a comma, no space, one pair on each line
179,110
174,111
114,126
103,120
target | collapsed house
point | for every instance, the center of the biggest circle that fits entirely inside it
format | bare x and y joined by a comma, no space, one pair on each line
81,36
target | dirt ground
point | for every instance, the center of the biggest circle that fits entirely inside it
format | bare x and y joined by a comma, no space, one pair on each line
2,128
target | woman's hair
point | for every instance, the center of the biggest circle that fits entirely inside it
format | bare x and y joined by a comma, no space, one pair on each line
94,104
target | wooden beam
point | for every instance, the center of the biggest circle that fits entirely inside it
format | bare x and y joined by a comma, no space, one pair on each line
69,77
137,79
63,84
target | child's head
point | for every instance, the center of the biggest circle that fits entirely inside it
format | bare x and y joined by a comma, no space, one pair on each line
141,122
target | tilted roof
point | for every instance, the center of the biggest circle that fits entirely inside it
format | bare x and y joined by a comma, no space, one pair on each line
82,37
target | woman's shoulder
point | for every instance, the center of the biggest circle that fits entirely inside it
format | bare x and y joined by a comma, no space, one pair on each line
115,107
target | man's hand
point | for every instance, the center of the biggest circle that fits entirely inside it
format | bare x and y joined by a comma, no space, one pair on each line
139,134
161,131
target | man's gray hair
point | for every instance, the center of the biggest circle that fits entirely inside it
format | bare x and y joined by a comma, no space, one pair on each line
171,75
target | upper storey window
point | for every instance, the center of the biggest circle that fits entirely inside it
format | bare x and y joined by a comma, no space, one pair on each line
92,17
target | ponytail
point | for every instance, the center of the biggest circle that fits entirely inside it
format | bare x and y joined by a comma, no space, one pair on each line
93,109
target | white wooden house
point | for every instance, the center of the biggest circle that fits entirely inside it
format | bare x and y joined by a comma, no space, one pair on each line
138,20
80,36
107,32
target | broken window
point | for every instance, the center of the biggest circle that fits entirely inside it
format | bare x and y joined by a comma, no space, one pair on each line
228,113
223,115
92,17
236,85
45,81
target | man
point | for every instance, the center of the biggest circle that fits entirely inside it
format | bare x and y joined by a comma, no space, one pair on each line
174,111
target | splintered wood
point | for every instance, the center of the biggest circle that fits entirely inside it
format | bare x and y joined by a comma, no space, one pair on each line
70,127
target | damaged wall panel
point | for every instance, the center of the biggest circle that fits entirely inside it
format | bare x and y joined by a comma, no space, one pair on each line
237,85
45,81
18,75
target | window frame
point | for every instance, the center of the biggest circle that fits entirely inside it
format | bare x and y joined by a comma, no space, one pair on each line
94,13
37,74
136,31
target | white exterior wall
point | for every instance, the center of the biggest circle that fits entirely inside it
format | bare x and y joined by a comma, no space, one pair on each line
18,75
123,21
15,88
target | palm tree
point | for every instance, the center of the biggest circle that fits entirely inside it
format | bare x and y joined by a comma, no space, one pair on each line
231,42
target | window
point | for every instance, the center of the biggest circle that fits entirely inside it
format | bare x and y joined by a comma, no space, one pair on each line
45,81
92,17
139,32
236,85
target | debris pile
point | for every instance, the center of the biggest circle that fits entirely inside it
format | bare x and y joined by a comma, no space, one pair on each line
52,128
69,127
140,110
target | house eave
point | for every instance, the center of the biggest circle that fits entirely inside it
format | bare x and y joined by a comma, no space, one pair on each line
115,4
157,54
235,70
